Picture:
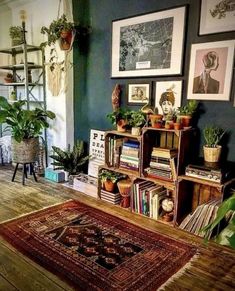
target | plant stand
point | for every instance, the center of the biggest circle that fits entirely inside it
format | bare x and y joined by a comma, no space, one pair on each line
24,172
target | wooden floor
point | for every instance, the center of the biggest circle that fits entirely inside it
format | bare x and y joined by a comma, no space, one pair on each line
213,270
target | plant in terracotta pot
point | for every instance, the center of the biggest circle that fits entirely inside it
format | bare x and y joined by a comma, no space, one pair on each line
169,119
17,35
9,78
137,120
212,150
26,127
156,119
186,112
109,179
119,118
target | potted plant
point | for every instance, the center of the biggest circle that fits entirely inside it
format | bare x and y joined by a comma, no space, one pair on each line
109,179
26,126
226,236
169,119
70,160
186,112
119,118
9,78
136,121
212,150
17,35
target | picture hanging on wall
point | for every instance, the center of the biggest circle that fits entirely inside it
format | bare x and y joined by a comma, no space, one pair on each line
148,45
210,72
217,16
168,96
138,93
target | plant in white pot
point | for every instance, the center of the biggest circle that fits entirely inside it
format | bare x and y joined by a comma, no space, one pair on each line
136,120
212,150
26,127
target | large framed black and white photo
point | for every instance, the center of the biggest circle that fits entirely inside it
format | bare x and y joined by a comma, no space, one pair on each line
211,70
148,45
217,16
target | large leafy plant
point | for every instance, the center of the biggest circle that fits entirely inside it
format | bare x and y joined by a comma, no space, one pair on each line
227,234
137,119
70,160
24,123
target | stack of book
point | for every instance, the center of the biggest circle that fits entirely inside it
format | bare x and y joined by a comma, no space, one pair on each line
162,163
129,159
146,198
113,198
203,215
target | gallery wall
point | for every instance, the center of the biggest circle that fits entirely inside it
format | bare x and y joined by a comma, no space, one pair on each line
92,68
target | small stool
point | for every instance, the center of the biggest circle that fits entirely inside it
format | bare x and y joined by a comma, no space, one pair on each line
24,172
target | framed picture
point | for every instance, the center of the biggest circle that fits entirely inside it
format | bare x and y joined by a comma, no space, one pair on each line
216,16
168,96
138,93
148,45
210,71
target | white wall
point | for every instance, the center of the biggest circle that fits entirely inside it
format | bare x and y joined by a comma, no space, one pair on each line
40,13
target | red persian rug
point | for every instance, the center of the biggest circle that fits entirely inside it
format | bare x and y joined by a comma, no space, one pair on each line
93,250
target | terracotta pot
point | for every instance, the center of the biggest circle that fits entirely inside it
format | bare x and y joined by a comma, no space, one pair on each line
169,124
212,155
109,186
185,120
156,120
121,125
177,126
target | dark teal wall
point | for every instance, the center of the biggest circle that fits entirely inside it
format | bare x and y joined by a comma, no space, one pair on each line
93,85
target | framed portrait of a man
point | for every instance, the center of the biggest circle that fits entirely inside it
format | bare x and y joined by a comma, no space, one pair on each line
210,72
149,45
168,96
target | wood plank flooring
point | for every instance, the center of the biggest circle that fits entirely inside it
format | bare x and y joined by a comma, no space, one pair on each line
213,270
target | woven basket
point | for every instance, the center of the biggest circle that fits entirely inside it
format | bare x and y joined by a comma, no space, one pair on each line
212,155
26,151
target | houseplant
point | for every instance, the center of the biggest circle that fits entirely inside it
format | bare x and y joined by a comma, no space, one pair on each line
136,121
226,236
26,126
70,160
9,78
186,112
109,179
16,34
119,118
212,150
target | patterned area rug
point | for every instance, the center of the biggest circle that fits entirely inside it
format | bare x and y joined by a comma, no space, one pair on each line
93,250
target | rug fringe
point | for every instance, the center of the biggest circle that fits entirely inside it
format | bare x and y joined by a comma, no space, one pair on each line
180,272
22,215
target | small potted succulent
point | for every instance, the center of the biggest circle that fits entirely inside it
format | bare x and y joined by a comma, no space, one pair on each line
137,120
212,150
169,119
120,118
186,112
109,179
17,35
9,78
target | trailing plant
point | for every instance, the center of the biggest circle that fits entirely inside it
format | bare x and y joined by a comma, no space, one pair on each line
227,234
119,114
70,160
212,135
189,108
24,123
137,119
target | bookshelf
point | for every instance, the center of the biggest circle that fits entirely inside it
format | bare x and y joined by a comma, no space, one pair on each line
166,151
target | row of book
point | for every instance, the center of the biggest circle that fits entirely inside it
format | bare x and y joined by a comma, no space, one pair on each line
115,146
203,215
129,158
147,197
162,163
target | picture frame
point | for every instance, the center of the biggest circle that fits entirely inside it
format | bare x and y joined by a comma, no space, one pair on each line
168,95
211,70
138,93
216,17
149,44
